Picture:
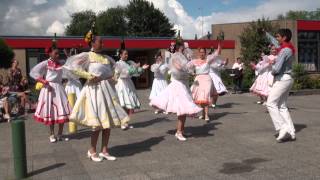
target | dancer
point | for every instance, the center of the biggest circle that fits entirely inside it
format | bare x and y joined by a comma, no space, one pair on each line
176,98
202,88
262,84
124,70
73,85
97,106
216,67
53,107
283,81
160,70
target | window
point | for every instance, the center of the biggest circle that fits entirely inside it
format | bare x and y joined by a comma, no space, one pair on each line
309,49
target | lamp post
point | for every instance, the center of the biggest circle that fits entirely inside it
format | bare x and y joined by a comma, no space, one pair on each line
201,13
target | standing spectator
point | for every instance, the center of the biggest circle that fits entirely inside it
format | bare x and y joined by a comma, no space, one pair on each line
238,70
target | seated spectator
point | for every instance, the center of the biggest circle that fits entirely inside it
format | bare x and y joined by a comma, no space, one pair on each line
4,99
24,92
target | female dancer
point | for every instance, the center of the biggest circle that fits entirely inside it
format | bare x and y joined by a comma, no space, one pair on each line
262,84
53,107
216,66
97,106
202,88
160,70
176,98
124,70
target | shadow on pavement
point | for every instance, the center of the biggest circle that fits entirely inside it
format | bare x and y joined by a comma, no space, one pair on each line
135,148
198,131
299,127
241,167
227,105
150,122
48,168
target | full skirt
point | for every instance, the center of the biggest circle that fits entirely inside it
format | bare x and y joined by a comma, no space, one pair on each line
53,107
127,94
218,84
202,90
158,86
262,85
98,107
176,98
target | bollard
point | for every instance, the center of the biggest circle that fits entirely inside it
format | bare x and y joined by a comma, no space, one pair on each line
19,148
72,125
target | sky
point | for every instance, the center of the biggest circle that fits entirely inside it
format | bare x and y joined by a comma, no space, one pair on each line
46,17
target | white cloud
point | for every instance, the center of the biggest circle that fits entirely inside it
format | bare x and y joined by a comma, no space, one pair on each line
40,17
34,21
56,27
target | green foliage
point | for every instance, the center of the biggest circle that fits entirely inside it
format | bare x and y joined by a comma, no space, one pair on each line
6,55
253,40
80,23
145,20
302,80
112,22
138,18
303,15
248,78
227,79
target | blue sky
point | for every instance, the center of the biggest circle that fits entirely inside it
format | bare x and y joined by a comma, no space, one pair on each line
209,6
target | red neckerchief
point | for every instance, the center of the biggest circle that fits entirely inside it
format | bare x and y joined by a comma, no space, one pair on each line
53,64
287,45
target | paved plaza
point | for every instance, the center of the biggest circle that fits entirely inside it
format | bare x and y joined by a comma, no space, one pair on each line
237,144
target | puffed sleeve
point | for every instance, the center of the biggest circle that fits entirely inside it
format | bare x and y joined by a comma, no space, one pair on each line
155,67
38,71
78,66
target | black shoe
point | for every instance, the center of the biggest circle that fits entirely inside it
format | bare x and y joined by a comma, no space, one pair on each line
276,134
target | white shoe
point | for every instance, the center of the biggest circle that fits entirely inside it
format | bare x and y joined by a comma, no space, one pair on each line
207,119
125,127
200,117
52,139
213,106
180,137
164,112
94,158
282,135
60,138
7,117
107,156
259,102
156,112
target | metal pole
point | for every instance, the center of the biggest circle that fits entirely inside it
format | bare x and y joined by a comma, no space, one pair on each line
19,148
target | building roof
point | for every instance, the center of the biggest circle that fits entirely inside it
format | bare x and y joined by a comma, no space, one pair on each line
23,42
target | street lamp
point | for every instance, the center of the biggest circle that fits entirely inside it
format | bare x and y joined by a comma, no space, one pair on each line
201,13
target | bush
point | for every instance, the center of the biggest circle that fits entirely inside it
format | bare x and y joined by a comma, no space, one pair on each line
226,79
248,79
302,80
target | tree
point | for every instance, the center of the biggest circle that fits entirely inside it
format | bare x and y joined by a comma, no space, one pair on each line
80,23
6,55
112,22
253,41
145,20
303,15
